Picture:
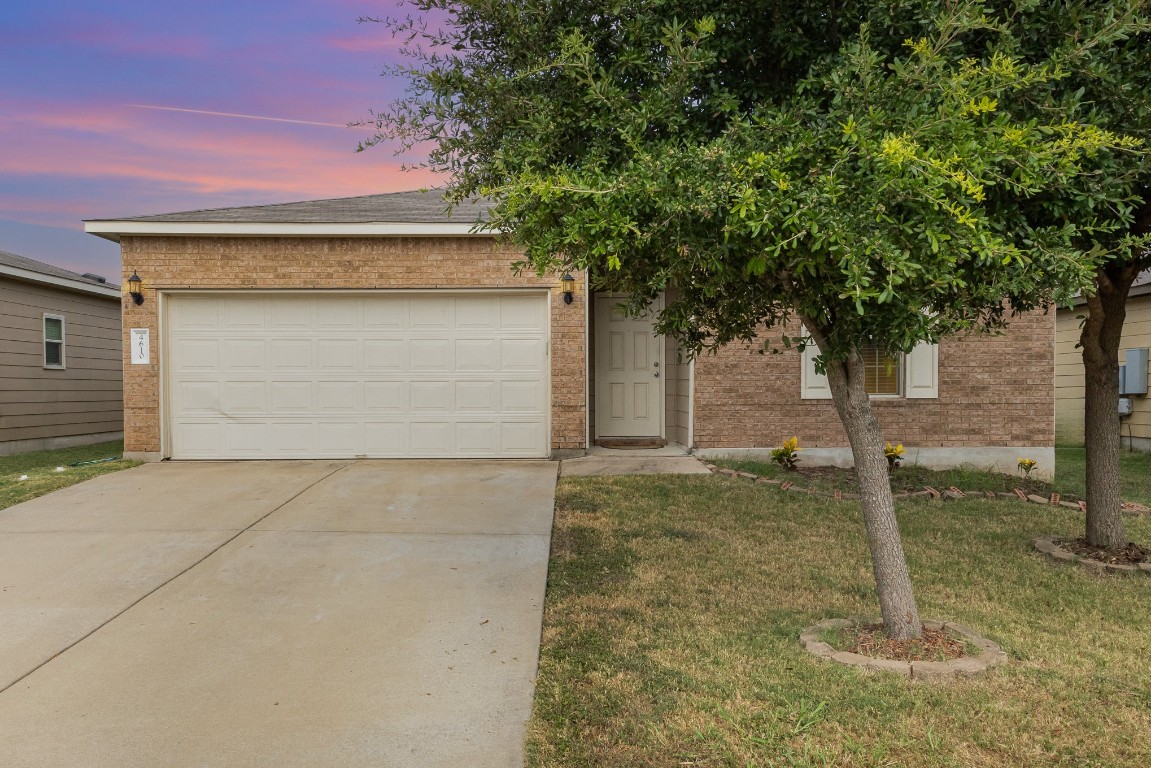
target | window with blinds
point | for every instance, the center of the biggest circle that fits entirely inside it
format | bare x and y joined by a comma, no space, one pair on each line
882,372
53,341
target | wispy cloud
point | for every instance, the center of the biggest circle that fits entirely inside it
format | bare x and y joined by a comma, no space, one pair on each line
236,115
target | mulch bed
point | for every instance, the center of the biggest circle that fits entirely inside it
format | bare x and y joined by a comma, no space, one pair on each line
1132,554
934,645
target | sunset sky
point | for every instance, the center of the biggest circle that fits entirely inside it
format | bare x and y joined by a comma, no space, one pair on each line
115,108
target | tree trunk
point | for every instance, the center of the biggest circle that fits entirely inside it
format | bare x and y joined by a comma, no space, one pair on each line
1099,339
896,601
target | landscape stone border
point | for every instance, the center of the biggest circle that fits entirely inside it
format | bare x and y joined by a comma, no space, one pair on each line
991,655
1048,546
947,494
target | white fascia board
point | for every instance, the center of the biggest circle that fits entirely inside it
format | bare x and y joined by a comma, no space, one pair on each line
114,230
82,286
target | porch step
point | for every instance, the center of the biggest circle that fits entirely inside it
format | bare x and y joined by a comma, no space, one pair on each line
631,442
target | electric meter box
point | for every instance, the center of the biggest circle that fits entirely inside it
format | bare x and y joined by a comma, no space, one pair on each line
1134,372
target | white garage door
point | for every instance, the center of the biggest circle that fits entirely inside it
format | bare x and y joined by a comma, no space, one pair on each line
381,375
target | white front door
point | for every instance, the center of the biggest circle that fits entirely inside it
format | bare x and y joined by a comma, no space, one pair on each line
629,372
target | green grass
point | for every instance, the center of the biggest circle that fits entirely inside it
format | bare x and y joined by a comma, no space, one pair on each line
675,604
1134,475
40,467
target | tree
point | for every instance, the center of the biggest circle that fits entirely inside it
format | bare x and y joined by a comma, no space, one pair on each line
856,169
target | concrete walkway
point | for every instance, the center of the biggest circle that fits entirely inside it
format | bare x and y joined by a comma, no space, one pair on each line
275,614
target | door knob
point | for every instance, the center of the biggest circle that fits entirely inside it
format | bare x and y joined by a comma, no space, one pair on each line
656,374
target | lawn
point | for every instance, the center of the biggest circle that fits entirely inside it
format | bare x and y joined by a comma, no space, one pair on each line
675,604
40,467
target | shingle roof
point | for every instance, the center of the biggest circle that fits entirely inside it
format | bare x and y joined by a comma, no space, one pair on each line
417,207
31,265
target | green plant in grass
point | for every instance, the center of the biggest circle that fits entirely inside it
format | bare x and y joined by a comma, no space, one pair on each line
894,455
787,455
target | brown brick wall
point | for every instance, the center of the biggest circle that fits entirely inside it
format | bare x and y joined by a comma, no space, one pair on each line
167,263
993,391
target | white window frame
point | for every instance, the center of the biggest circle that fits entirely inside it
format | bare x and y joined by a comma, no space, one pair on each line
63,364
920,375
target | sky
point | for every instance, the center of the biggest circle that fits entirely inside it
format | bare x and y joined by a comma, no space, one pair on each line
115,108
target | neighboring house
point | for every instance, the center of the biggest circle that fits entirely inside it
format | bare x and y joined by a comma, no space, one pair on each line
61,382
1135,429
380,326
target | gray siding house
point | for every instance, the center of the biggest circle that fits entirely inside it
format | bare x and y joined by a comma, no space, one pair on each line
61,375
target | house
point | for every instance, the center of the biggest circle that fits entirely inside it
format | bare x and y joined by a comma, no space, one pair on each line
60,378
382,326
1135,429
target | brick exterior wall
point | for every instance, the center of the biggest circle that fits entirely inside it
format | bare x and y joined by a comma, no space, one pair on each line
993,391
210,263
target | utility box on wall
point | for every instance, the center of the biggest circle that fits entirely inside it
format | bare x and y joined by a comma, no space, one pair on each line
1133,378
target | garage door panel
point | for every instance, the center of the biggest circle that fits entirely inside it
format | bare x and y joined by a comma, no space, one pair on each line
196,397
476,438
386,396
291,354
386,439
520,438
431,438
522,396
430,354
196,314
386,355
473,396
195,355
477,355
522,355
292,397
245,438
241,354
477,313
337,313
430,396
291,440
338,397
339,439
432,375
243,397
289,315
338,355
429,312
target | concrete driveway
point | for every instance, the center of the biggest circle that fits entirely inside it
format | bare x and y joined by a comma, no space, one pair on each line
366,613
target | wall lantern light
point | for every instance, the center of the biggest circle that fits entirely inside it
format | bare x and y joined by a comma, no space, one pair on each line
136,288
569,286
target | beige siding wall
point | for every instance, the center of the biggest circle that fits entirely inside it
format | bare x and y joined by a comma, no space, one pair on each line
993,391
84,398
1069,372
223,263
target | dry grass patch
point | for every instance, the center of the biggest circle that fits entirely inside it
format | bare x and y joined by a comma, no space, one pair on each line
675,606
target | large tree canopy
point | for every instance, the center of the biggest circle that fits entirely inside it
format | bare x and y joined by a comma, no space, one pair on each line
885,173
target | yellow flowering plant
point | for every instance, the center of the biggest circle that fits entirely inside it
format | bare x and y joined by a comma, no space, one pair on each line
787,455
1026,465
894,454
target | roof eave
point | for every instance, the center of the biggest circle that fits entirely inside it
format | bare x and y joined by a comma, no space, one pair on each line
79,286
115,229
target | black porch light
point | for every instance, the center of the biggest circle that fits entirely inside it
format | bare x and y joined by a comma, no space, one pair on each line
136,288
568,286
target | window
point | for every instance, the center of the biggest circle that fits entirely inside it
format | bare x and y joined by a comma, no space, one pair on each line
53,341
881,371
914,375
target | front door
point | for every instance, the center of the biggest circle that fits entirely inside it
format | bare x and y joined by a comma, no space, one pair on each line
628,372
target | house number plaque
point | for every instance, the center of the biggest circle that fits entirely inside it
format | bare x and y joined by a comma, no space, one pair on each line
139,346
